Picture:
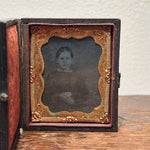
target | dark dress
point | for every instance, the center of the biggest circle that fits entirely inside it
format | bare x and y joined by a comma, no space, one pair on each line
67,91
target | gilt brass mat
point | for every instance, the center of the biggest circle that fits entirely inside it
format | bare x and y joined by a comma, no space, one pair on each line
40,34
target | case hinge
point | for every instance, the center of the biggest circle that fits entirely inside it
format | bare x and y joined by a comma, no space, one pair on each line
3,97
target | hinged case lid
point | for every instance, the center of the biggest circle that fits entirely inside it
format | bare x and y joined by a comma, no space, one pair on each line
9,84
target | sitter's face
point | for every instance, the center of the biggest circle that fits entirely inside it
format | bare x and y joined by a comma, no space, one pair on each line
65,60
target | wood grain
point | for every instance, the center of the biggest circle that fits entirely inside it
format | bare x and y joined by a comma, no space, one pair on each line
134,129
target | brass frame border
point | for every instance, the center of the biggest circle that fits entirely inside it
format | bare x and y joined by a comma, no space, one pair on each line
39,36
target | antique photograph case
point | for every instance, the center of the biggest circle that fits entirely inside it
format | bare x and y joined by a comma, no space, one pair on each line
58,75
72,74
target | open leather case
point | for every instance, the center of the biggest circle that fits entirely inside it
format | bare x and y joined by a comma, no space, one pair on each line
58,74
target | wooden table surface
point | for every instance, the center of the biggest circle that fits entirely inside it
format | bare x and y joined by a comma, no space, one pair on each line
133,134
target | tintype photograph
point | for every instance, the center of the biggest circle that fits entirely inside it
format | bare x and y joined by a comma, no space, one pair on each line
71,74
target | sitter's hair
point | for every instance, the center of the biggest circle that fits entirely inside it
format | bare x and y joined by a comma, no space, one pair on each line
62,49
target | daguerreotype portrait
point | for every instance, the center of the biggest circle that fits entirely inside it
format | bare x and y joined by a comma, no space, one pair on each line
70,73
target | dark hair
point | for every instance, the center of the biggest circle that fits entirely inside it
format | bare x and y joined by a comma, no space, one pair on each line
62,49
